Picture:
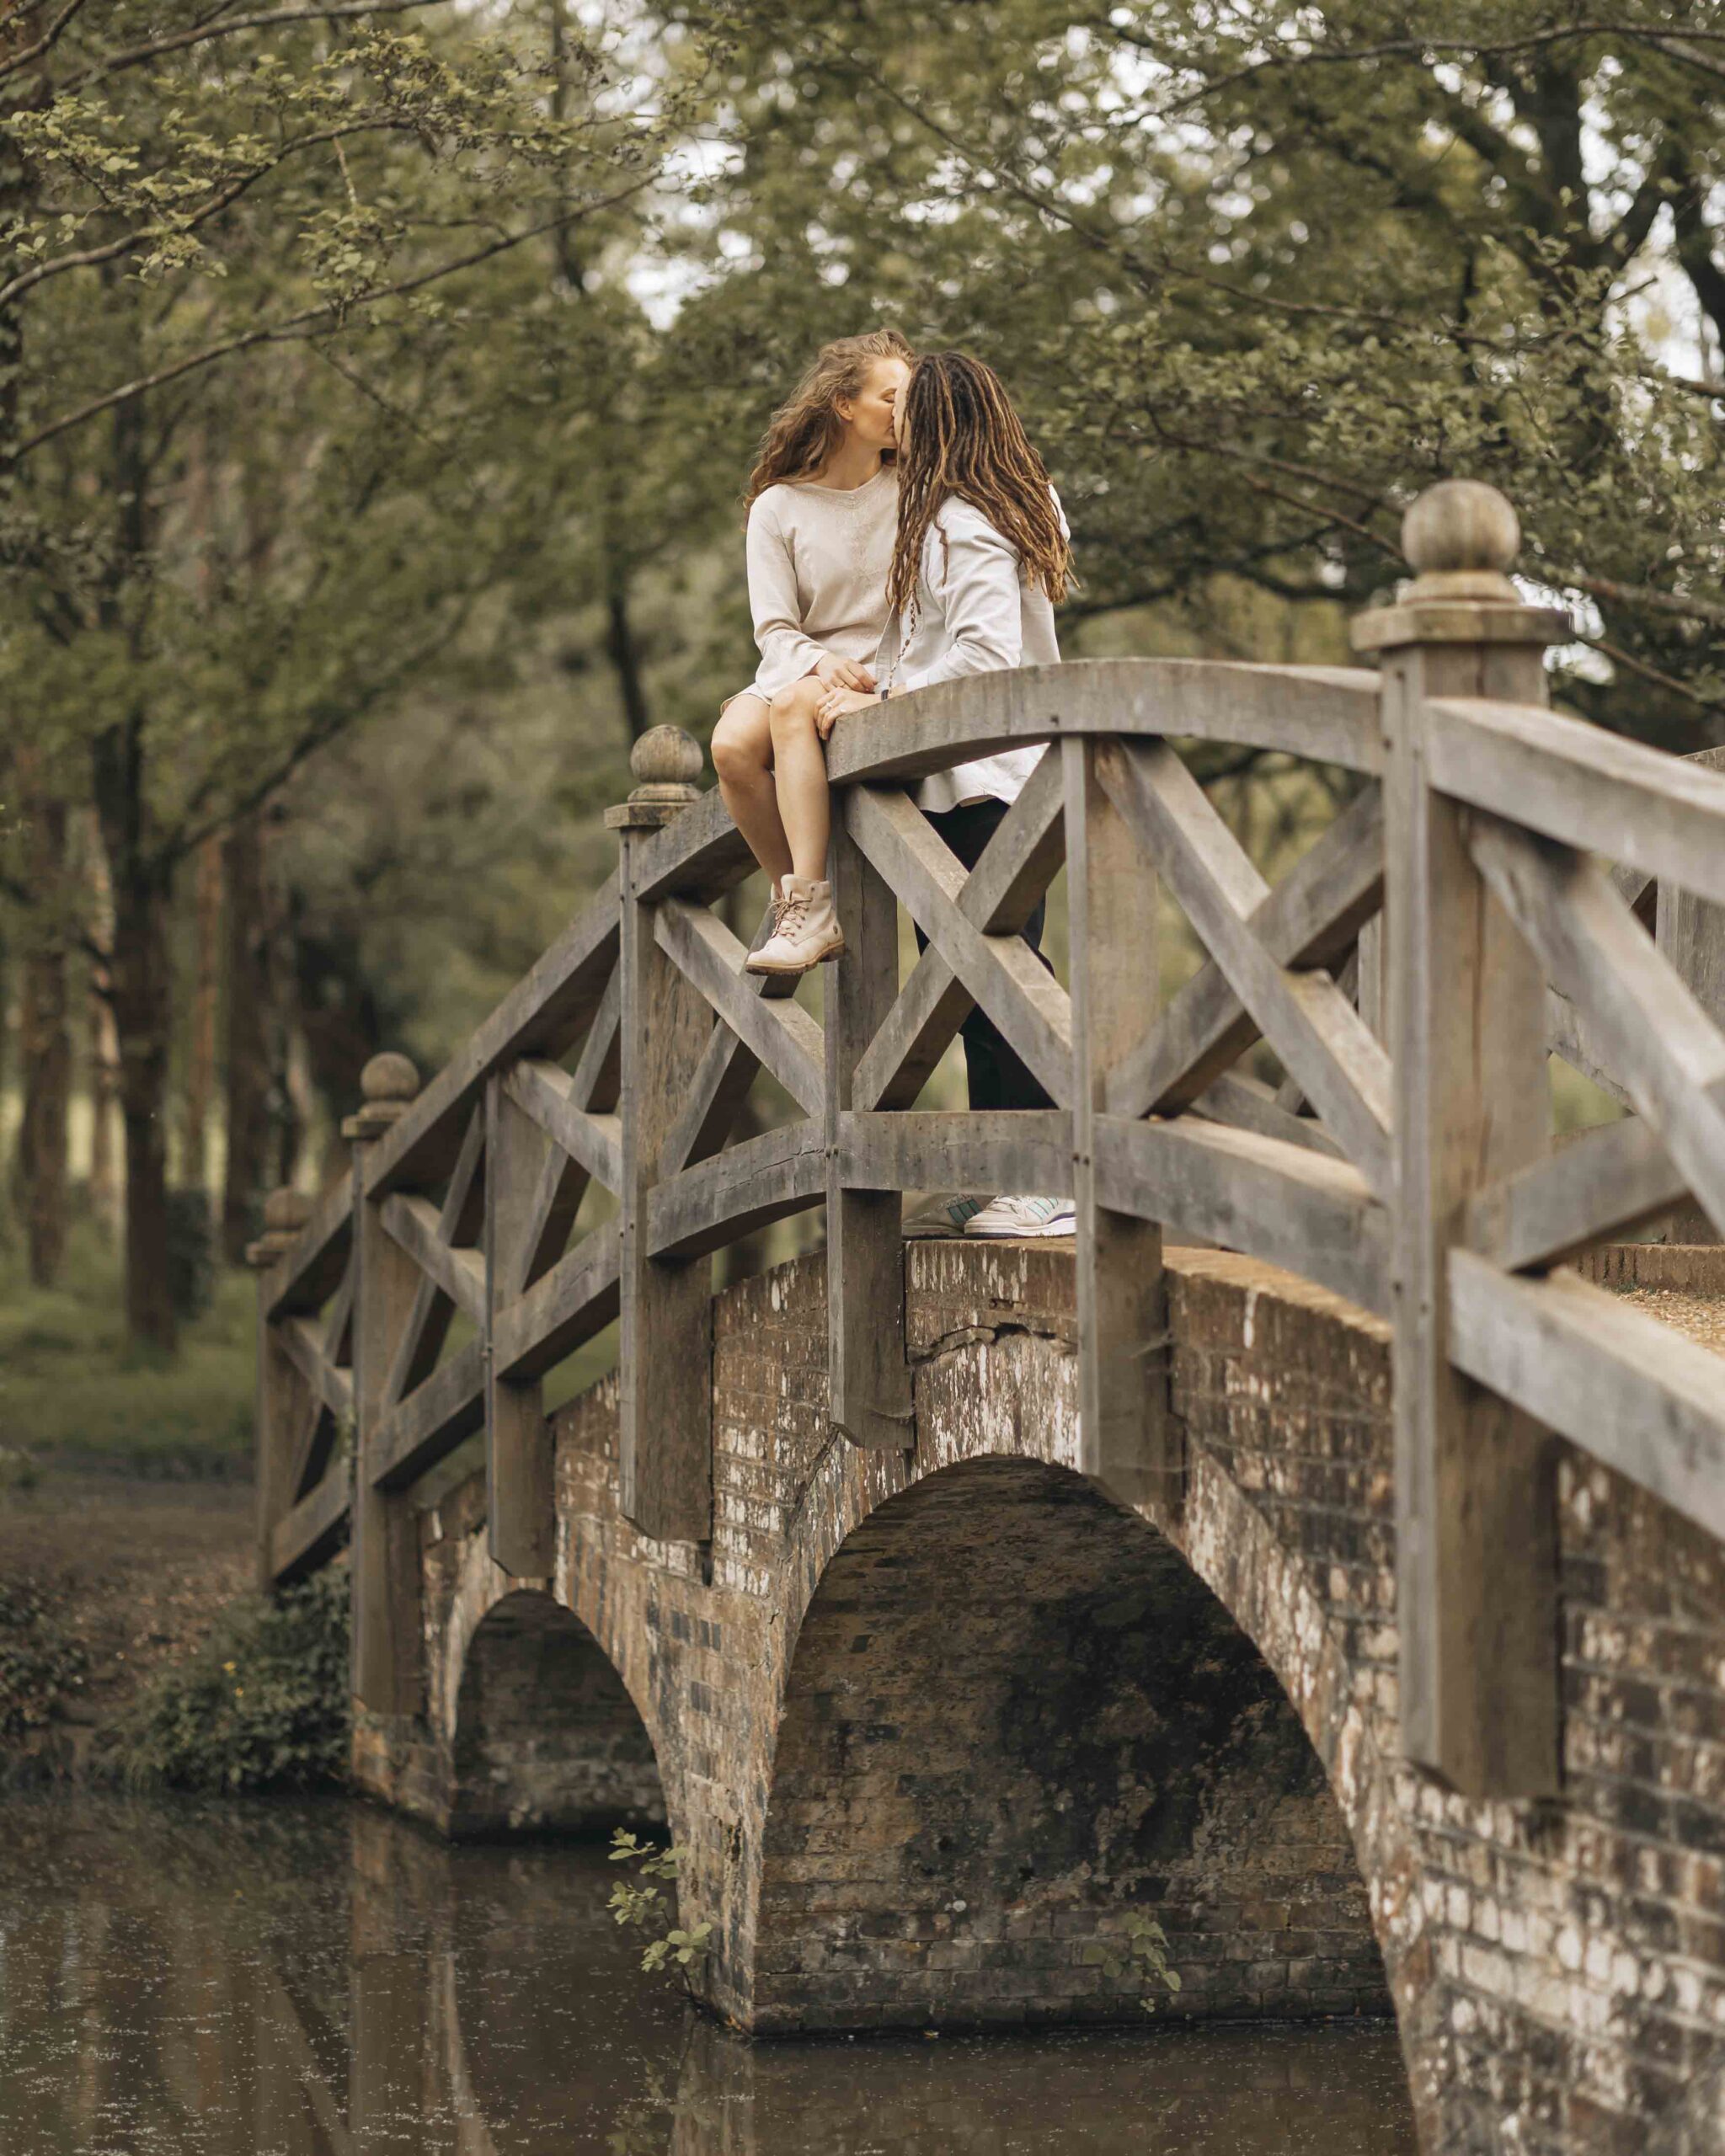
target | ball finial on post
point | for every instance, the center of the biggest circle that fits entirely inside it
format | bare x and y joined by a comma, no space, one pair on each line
286,1213
665,763
389,1082
1460,538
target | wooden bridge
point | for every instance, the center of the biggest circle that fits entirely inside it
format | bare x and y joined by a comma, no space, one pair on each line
1504,882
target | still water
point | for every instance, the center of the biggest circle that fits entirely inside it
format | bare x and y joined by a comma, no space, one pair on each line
323,1980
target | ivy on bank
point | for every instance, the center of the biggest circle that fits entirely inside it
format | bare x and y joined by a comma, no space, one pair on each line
262,1705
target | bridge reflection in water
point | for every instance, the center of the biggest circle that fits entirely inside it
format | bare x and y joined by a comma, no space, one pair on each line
324,1980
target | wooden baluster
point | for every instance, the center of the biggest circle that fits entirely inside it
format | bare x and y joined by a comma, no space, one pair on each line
665,1358
386,1557
1130,1438
1475,1510
1691,934
281,1390
868,1379
520,1499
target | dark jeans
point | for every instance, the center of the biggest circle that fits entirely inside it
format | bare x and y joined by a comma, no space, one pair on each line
997,1079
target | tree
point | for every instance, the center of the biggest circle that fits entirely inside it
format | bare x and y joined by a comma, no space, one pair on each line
1260,278
240,240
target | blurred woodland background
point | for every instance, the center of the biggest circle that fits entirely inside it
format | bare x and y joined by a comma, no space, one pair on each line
378,380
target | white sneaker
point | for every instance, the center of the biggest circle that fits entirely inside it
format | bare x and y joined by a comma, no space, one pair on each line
808,933
945,1216
1011,1218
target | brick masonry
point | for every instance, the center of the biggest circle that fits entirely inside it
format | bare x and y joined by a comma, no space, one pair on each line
934,1727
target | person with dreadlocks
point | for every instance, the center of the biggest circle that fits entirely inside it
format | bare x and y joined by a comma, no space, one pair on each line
982,557
822,502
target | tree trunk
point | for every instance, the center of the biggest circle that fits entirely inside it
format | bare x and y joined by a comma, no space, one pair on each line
200,1046
248,1172
143,1018
44,1038
102,1045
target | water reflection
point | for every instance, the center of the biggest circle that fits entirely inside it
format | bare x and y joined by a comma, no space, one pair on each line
325,1981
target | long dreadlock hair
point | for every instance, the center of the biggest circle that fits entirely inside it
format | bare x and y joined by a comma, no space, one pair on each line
807,428
961,436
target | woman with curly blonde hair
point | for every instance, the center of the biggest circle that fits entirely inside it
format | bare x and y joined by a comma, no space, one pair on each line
823,513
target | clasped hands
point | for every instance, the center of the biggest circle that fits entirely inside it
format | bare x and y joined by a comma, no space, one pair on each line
849,686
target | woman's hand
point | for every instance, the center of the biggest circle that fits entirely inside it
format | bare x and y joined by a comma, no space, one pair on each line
833,672
835,704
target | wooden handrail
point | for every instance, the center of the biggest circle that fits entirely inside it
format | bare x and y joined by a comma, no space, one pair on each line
1406,1163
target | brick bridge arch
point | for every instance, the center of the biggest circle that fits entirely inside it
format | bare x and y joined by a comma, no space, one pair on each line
1230,1773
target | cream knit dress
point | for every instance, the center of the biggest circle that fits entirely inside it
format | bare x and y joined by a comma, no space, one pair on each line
818,562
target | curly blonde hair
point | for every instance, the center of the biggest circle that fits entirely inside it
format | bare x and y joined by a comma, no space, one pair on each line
806,428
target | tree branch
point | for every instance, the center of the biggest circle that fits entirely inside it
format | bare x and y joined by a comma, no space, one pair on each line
311,321
138,56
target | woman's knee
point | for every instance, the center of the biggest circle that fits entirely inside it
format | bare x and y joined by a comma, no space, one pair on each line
794,709
742,744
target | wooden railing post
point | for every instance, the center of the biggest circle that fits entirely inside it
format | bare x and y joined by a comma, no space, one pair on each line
1475,1515
281,1389
1691,934
665,1352
520,1499
385,1569
1128,1436
869,1378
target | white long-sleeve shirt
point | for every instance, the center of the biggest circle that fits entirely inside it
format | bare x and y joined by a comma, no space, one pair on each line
817,561
976,613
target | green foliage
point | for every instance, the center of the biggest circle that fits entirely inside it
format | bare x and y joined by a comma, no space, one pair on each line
261,1705
40,1662
1140,1954
73,1390
645,1907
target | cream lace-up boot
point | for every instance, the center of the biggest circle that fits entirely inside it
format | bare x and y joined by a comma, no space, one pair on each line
808,933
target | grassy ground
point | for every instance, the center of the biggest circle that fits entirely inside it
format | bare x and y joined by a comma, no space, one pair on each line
74,1394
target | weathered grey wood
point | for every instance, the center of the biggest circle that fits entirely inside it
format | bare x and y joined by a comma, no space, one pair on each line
308,1274
1248,1104
706,1206
388,1648
460,1220
578,1297
1611,1179
1570,1034
545,1093
869,1378
520,1499
1001,1148
1000,973
1321,714
699,854
1668,1053
1591,789
780,1033
1304,1015
282,1399
563,1180
545,1013
727,1071
1284,1203
459,1273
998,897
433,1419
1129,1437
1310,918
309,1535
1475,1513
1371,992
671,958
1632,1392
303,1342
1690,932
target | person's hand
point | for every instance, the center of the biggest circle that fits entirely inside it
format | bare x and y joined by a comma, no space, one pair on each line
836,673
835,704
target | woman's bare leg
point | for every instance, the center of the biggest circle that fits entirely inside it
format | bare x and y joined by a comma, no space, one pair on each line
742,756
799,777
